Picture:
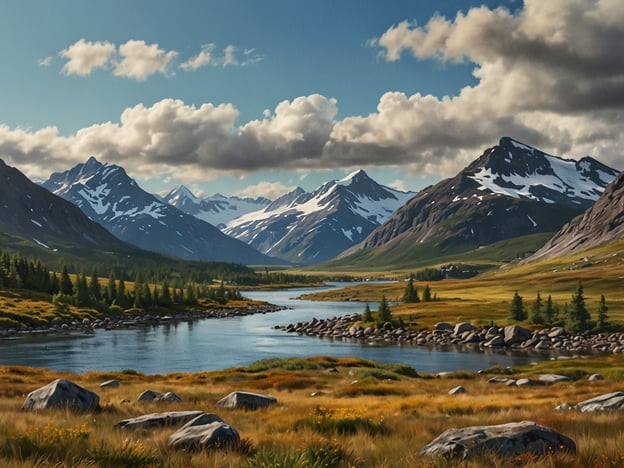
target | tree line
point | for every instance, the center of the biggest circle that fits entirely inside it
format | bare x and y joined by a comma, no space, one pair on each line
575,315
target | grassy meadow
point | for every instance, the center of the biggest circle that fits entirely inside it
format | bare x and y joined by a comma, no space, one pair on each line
363,414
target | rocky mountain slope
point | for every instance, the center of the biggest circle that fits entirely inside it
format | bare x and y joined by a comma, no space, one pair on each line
600,224
511,190
32,213
311,227
107,195
217,209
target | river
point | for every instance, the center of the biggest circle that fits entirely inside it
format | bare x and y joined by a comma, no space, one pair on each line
212,344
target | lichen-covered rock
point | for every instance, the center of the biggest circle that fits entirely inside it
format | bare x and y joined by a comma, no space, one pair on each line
214,435
155,420
62,393
246,400
503,440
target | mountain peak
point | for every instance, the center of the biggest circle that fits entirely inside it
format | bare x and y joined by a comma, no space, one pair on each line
181,191
508,142
354,176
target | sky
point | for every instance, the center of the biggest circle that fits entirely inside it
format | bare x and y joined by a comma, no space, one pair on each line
256,97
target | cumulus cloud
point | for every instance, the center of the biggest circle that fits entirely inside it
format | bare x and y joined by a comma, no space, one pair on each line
83,57
140,60
270,190
549,74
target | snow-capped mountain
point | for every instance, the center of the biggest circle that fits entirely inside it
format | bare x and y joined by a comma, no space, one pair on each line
110,197
311,227
601,224
217,209
32,213
511,190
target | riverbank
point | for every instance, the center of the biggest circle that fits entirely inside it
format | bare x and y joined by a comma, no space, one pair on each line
137,320
463,334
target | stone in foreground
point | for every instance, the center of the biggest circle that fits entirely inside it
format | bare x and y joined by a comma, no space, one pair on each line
155,420
246,400
168,397
607,402
62,393
196,436
503,440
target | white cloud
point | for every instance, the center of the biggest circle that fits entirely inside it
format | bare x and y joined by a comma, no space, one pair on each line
45,62
550,74
270,190
140,60
204,58
398,184
84,56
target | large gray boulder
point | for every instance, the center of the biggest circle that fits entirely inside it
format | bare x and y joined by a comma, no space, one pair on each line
606,402
168,397
62,393
156,420
503,440
246,400
195,436
462,327
515,334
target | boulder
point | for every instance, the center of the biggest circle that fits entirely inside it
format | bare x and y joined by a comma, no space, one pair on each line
515,334
155,420
443,326
168,397
498,380
549,379
606,402
502,440
594,377
246,400
527,382
214,435
457,390
462,327
110,384
62,393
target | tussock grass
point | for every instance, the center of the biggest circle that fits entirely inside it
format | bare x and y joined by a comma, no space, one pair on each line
327,419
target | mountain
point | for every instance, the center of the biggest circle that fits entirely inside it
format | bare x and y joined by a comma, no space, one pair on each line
217,209
602,223
30,214
107,195
511,190
312,227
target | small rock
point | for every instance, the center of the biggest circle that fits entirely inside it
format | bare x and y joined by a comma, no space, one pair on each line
110,384
154,420
457,390
594,377
550,379
246,400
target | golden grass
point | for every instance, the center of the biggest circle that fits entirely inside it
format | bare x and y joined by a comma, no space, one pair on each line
385,425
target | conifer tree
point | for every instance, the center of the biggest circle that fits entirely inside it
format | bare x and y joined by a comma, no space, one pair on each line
578,317
602,313
66,285
516,309
121,298
165,295
411,294
383,312
536,310
551,311
426,297
367,316
82,291
95,291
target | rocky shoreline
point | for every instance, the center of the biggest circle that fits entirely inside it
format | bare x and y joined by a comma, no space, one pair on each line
130,321
512,337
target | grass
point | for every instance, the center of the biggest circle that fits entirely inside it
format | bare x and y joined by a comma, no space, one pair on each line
354,417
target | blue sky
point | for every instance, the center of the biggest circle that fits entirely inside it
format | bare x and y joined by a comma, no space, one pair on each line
256,97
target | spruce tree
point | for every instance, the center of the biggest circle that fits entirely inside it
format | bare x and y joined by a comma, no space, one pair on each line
82,291
367,316
165,295
411,294
66,285
516,309
551,311
426,297
383,312
121,298
94,286
111,287
536,310
578,317
602,313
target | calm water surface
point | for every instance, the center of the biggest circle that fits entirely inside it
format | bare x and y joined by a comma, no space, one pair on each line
221,343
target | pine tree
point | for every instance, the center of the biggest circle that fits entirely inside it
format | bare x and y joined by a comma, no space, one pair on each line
165,295
94,286
82,291
66,284
367,316
191,297
536,310
602,313
551,311
111,287
426,297
411,294
578,317
383,312
516,309
121,298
